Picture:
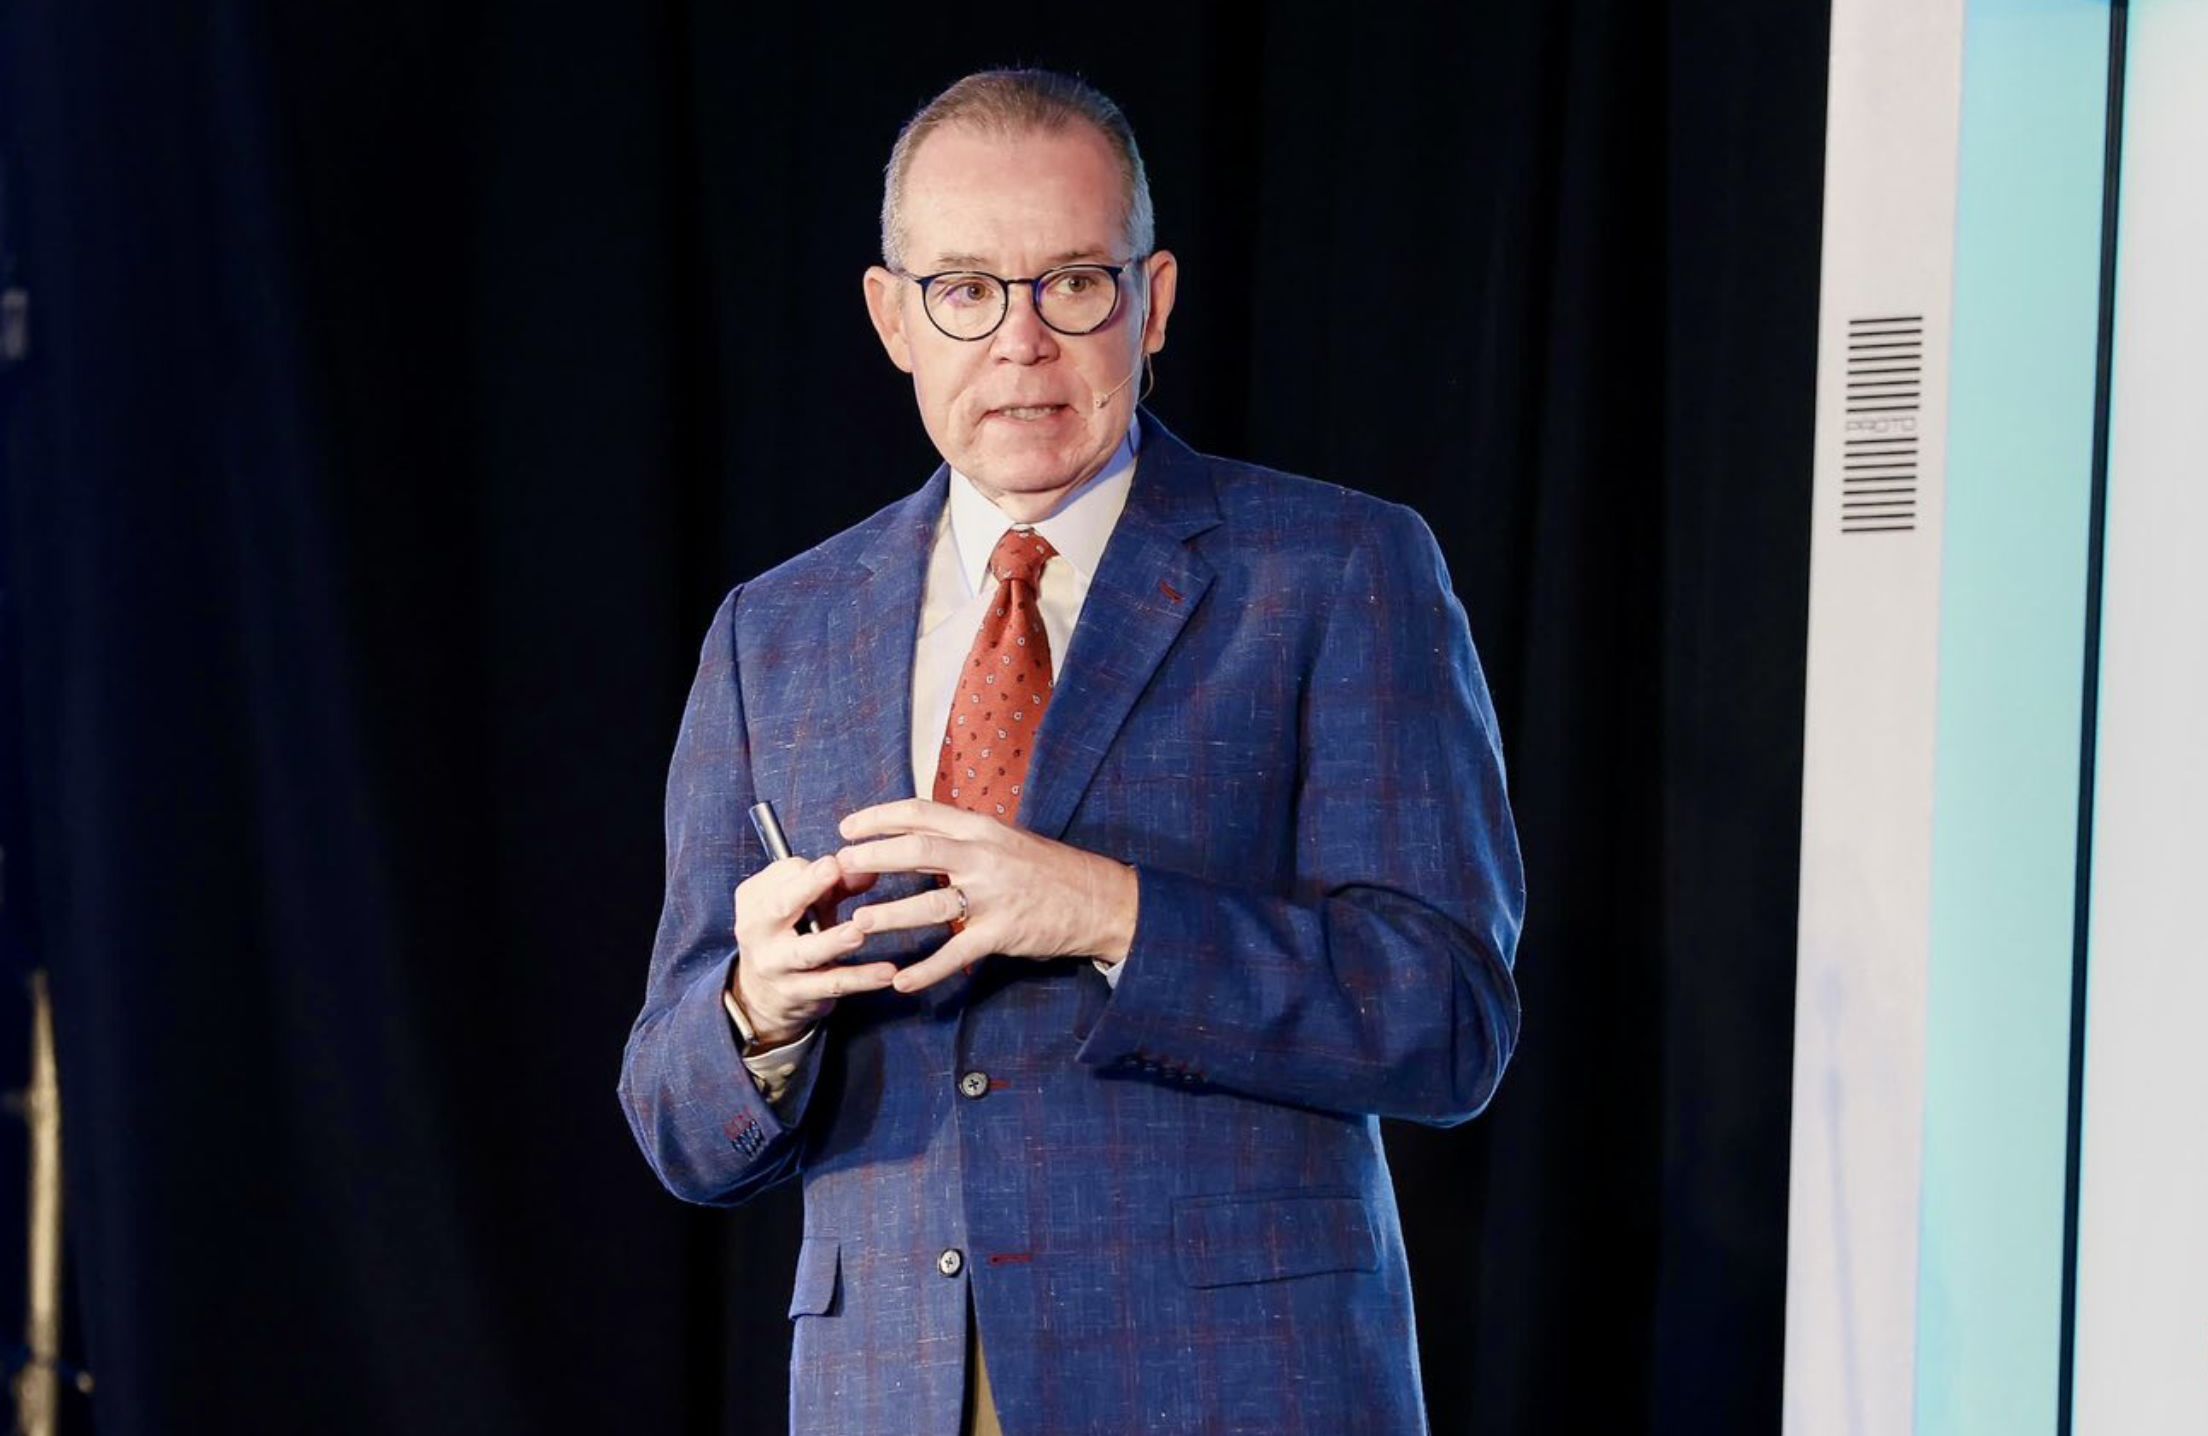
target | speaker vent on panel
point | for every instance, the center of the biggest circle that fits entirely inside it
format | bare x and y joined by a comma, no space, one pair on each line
1878,484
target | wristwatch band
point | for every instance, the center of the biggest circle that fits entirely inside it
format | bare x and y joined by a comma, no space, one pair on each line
750,1044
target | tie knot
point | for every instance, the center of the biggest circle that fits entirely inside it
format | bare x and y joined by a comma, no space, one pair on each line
1019,556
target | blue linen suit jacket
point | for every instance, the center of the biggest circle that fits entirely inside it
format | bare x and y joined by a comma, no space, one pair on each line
1170,1200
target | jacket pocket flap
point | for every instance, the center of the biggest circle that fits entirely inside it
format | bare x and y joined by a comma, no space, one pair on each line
818,1260
1222,1241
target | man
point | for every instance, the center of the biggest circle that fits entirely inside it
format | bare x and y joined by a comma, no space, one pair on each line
1216,869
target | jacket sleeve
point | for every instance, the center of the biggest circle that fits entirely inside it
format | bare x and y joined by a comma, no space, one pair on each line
703,1124
1381,984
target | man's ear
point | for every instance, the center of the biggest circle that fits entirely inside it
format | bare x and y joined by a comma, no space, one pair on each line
885,305
1165,276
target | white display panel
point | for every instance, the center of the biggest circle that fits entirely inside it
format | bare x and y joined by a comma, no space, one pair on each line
1950,643
1891,141
2141,1366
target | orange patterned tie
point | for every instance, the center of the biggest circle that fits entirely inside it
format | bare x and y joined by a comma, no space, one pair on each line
1002,690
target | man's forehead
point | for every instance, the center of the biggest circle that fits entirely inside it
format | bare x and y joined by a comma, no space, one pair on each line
979,199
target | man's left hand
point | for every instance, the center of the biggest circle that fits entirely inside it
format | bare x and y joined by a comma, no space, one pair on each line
1026,896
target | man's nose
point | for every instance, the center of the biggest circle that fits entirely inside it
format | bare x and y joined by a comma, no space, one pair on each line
1024,338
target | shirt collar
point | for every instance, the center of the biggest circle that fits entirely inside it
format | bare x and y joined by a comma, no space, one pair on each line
1078,528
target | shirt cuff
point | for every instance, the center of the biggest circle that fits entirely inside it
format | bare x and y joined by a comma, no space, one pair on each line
771,1069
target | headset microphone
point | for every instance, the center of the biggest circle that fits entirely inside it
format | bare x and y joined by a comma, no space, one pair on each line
1106,396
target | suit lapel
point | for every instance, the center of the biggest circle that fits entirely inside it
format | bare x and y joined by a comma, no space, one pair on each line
1146,586
884,619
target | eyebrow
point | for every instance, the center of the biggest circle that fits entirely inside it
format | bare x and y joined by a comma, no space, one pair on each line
982,261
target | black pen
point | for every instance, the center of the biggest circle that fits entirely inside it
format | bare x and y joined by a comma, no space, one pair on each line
769,828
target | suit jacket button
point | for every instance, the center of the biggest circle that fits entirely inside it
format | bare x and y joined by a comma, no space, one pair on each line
974,1084
951,1262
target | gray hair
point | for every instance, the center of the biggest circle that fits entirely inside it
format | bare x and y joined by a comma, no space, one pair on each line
1019,102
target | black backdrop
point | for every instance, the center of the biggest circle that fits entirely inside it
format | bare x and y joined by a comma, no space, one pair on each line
410,381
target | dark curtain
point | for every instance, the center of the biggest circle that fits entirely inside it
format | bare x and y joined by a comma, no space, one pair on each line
408,383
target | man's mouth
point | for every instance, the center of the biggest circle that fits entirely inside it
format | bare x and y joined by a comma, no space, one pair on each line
1028,413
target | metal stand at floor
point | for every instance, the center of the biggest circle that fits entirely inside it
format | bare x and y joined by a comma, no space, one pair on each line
38,1382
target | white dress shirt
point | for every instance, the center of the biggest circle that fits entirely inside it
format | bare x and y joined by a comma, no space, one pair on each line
959,590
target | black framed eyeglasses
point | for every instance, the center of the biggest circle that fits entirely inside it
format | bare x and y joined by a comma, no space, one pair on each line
1073,299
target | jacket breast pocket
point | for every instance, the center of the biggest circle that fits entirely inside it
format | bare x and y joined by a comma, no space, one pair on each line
819,1262
1248,1237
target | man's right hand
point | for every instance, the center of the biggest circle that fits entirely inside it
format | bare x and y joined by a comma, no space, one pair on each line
787,980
